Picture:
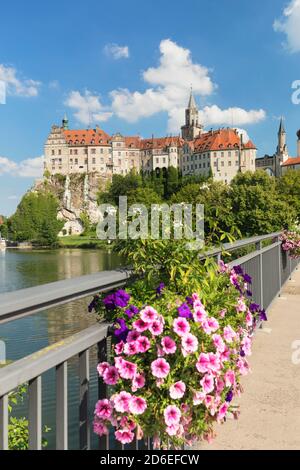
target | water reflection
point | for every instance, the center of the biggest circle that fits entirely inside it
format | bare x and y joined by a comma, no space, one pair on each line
20,269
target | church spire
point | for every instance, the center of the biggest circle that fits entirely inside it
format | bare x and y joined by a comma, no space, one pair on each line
192,103
65,122
281,126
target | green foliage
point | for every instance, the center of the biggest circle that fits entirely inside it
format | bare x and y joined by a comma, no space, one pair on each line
18,428
36,219
289,189
87,226
257,206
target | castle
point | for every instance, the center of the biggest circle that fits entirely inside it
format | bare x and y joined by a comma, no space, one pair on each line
220,152
278,163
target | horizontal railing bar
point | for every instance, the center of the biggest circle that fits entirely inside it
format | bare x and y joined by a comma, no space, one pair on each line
253,254
34,299
239,244
29,367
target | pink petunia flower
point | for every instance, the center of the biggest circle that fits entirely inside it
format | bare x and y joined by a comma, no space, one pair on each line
249,318
222,411
195,297
220,385
131,348
223,312
169,345
229,378
127,423
118,362
243,366
241,306
172,415
101,368
200,314
214,363
111,375
132,336
213,324
137,405
189,343
103,409
207,383
172,430
202,363
143,344
156,328
119,347
138,382
148,314
127,370
198,398
140,325
100,428
218,343
124,436
160,368
121,402
229,334
177,390
181,326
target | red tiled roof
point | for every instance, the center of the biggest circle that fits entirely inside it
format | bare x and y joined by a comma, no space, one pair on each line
132,142
87,137
292,161
221,139
161,142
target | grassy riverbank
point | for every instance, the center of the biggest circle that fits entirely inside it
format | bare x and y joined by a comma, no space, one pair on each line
78,241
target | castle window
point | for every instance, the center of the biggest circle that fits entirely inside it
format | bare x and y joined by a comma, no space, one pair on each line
94,161
59,152
83,141
222,163
92,141
229,163
76,152
76,161
53,152
101,150
71,152
93,151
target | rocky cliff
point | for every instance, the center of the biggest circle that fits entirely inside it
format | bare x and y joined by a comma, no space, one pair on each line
77,194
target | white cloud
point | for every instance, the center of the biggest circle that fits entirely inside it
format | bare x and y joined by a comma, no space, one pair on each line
170,83
289,24
88,107
215,116
18,86
29,168
116,52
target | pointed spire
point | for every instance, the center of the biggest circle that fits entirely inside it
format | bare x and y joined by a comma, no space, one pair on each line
281,126
192,103
65,122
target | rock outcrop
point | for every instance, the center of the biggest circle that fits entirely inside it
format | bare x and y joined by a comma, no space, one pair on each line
77,195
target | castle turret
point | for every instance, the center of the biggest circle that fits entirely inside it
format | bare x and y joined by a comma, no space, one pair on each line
282,147
192,128
65,122
298,143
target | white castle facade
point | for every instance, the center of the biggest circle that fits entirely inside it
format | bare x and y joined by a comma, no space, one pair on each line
221,152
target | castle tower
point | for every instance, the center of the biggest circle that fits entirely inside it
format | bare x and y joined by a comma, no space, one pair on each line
65,122
192,128
282,147
298,143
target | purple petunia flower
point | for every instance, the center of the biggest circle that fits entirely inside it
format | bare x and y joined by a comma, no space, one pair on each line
247,278
238,270
131,311
121,298
184,311
122,332
229,396
189,301
254,307
242,353
93,304
263,315
109,302
249,293
160,288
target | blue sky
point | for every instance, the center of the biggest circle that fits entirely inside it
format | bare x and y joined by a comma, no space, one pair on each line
128,67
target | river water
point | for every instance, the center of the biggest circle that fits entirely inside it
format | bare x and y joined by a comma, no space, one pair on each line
21,269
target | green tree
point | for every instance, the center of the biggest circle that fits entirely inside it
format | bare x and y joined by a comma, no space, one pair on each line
289,189
257,206
35,219
172,182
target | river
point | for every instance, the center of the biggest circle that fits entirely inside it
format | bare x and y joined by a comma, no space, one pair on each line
21,269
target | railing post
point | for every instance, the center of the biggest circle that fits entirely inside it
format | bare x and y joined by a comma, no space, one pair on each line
35,413
84,380
102,388
62,406
258,247
279,265
4,422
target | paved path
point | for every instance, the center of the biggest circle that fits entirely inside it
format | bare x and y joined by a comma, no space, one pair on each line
270,404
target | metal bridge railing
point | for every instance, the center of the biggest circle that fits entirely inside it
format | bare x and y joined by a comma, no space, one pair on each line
269,267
